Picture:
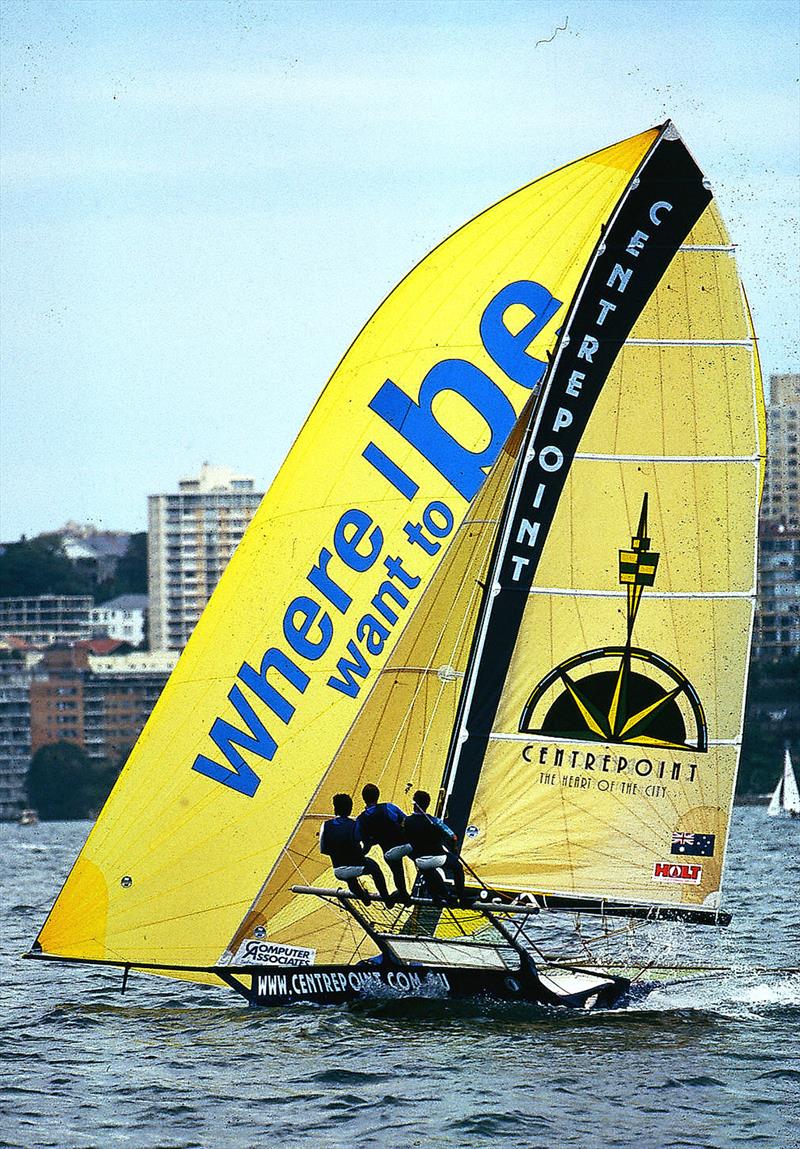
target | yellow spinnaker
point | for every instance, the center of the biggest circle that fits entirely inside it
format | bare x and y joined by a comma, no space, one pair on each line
330,571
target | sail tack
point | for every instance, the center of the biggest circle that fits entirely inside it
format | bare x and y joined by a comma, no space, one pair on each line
369,503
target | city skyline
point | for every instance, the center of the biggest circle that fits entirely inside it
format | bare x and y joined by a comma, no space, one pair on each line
204,204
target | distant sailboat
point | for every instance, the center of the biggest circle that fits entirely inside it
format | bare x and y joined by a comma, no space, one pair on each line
439,592
786,798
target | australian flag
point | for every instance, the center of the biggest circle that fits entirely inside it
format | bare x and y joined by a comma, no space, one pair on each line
697,845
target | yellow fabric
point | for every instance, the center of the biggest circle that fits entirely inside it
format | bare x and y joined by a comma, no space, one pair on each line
399,740
682,423
197,852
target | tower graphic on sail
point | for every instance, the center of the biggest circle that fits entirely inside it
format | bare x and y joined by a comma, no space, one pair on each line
629,704
637,569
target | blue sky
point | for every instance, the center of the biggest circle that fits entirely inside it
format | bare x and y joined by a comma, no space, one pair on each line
204,201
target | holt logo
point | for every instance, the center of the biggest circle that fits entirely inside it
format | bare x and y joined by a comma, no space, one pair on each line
678,872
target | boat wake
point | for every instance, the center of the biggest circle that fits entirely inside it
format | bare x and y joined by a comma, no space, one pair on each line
730,994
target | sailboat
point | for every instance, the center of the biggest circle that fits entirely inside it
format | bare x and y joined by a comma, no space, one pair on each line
509,560
786,796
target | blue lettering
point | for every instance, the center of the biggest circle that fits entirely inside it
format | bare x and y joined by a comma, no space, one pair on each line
347,548
359,666
266,691
296,634
443,511
390,470
237,775
320,580
510,350
462,468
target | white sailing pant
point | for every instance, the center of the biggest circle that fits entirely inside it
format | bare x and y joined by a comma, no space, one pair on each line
347,873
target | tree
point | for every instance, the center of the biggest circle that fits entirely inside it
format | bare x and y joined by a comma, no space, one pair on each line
39,566
131,574
64,782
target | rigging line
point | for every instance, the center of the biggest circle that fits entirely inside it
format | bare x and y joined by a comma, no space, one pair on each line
465,617
650,825
184,916
310,804
458,640
431,605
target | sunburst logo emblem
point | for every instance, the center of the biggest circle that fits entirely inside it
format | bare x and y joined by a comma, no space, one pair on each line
620,694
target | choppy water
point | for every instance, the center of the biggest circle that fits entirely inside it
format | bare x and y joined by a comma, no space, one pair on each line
704,1066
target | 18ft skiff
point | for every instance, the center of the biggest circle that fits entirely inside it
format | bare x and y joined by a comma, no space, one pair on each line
510,559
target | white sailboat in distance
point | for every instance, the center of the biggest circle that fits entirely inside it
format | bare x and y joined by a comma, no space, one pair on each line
786,797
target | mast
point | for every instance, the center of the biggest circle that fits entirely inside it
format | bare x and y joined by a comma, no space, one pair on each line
658,208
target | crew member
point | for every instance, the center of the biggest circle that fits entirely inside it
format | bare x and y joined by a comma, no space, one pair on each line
381,824
341,841
431,841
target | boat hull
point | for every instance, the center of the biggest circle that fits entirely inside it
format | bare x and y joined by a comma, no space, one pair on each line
341,984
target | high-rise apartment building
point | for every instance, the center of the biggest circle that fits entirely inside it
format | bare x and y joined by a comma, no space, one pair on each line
191,536
15,732
44,619
777,624
98,702
780,502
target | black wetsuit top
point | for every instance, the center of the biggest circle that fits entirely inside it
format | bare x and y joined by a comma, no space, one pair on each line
381,825
424,836
341,841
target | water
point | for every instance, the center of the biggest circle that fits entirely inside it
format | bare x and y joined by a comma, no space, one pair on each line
168,1066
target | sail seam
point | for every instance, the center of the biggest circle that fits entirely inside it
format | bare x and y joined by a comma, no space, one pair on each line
571,593
501,736
688,342
668,458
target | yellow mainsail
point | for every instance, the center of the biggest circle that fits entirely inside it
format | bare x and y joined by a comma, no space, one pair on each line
610,765
336,563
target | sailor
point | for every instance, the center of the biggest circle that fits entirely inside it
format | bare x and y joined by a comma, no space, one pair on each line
381,824
431,841
340,840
